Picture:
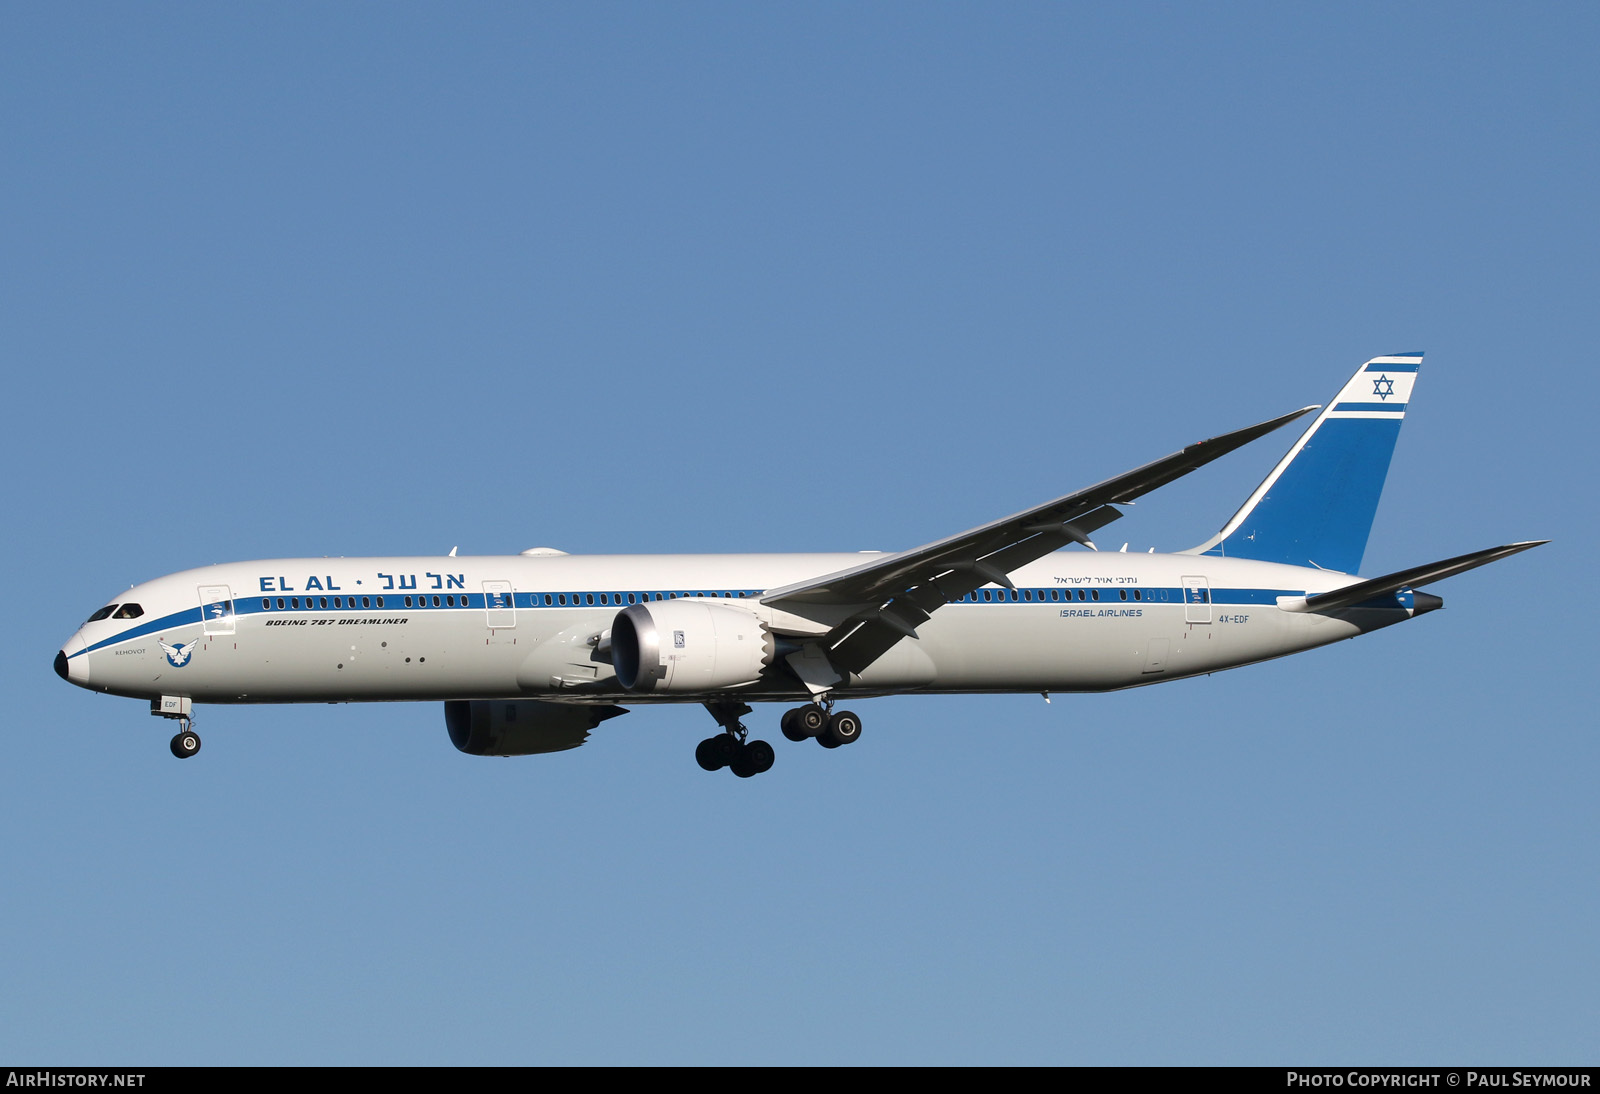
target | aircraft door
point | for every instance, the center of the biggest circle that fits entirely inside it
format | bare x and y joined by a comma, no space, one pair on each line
216,609
1196,600
500,609
1155,657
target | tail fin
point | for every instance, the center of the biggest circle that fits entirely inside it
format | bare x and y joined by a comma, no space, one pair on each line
1316,507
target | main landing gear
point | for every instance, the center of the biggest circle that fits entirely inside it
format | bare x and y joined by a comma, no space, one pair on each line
830,729
729,748
744,758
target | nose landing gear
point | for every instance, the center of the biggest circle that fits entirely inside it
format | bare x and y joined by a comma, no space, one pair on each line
187,742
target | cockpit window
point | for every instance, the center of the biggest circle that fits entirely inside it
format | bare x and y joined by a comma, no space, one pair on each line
101,614
129,611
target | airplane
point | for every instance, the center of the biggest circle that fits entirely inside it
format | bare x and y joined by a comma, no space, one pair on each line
530,653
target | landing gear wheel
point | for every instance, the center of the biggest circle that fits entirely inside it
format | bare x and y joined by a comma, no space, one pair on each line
731,748
760,755
791,730
753,759
843,728
186,744
803,722
716,753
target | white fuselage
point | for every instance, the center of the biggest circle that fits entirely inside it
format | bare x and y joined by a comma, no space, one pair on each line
490,627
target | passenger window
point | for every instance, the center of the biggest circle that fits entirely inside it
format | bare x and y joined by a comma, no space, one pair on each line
408,602
103,613
380,601
366,603
280,603
324,602
128,611
435,602
266,605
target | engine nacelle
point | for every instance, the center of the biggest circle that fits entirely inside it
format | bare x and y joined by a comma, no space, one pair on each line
520,727
688,646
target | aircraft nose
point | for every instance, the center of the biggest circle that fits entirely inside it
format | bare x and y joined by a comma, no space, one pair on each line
71,663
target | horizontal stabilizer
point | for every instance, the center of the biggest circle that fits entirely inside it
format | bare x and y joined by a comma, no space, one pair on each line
1363,591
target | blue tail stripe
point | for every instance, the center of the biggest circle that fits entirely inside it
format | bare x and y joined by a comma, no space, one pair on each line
1320,511
1317,506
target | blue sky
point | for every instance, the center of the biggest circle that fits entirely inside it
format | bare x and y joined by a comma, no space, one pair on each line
285,280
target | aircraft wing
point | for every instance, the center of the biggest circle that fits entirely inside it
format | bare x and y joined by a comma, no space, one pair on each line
897,592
